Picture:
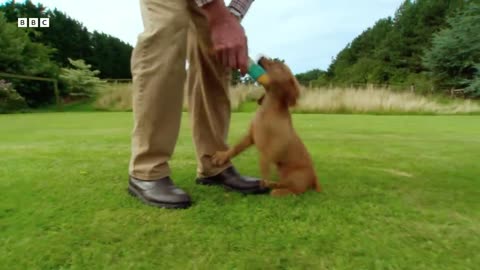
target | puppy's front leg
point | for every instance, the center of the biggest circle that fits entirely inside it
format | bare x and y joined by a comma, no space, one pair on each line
221,157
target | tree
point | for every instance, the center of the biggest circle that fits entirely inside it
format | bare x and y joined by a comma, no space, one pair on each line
454,57
81,79
76,44
307,77
392,49
236,77
473,88
111,56
18,54
108,54
10,100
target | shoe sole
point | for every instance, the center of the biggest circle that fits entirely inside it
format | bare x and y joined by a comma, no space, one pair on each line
135,194
228,188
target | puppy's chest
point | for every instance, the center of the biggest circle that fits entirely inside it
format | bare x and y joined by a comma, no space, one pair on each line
271,127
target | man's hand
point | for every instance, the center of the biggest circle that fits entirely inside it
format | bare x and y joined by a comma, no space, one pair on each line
228,37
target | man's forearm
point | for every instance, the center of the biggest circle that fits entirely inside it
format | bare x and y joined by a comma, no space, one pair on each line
215,10
237,7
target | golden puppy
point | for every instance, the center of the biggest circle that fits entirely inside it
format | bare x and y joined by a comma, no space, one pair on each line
273,134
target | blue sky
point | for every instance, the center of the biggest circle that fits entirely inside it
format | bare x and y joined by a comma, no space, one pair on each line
306,33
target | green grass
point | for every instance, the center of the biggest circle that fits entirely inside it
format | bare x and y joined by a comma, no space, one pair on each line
77,106
401,192
249,106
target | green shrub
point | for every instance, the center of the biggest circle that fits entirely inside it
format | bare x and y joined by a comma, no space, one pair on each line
473,89
19,55
81,80
455,51
10,100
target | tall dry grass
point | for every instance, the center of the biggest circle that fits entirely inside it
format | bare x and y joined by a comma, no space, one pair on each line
118,97
379,100
114,97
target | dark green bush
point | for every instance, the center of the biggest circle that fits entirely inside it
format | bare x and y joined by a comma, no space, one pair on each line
10,99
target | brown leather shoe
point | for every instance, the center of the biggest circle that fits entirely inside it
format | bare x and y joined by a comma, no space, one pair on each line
232,180
160,193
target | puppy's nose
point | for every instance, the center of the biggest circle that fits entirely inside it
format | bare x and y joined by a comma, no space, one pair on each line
261,60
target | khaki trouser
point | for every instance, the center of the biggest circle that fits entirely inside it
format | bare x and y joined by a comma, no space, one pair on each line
174,31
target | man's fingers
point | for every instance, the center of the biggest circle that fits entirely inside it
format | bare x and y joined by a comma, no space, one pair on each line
215,51
220,52
242,60
225,57
232,58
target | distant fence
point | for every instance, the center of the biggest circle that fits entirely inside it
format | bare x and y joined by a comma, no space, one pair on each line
403,87
457,93
33,78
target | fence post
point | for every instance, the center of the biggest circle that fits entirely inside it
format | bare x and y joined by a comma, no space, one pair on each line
34,78
57,95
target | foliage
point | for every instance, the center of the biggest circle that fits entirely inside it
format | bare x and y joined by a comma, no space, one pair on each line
474,85
278,60
18,54
455,53
236,77
10,100
358,57
391,51
71,39
111,56
81,79
306,77
43,51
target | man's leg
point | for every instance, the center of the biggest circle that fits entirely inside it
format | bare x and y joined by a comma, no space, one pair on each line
208,99
209,106
158,70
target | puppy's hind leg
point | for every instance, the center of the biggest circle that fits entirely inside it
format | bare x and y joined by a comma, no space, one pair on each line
265,171
281,192
316,185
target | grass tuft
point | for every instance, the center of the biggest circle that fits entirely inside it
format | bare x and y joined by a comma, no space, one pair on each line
374,100
115,97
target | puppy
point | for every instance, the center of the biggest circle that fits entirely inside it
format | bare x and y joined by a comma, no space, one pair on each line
273,134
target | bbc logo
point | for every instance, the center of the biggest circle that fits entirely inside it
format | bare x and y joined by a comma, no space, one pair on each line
34,22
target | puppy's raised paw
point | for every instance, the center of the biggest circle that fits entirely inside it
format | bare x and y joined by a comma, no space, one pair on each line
220,158
265,183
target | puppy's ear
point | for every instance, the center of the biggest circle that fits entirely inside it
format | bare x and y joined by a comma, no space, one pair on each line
293,92
260,100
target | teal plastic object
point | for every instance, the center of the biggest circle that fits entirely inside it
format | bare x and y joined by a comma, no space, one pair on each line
255,70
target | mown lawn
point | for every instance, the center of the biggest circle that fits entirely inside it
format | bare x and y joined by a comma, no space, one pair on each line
401,192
